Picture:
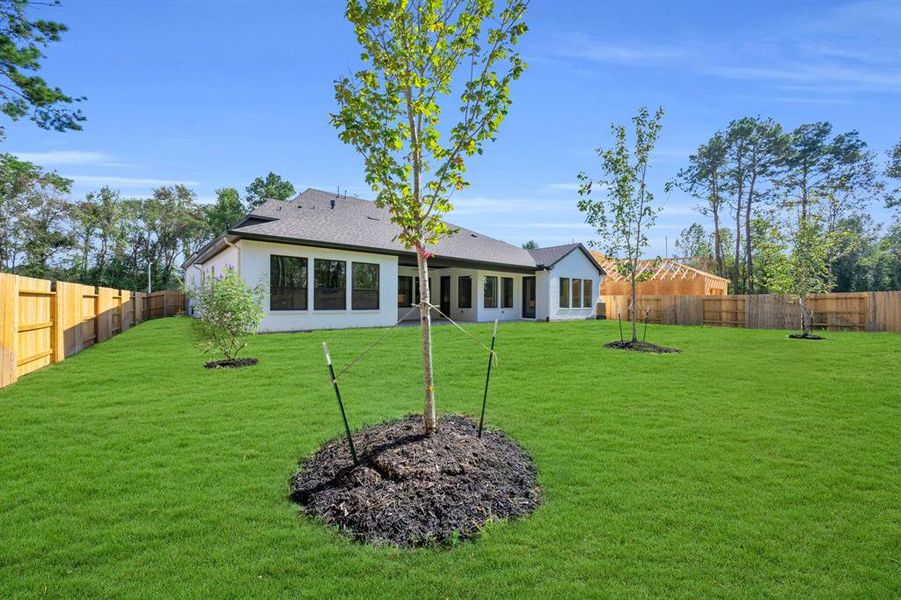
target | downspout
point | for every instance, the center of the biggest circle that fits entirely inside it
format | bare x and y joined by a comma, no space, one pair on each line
238,248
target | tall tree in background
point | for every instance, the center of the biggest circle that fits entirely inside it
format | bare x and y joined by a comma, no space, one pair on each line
703,179
893,171
625,209
271,187
23,93
530,245
419,56
225,212
693,245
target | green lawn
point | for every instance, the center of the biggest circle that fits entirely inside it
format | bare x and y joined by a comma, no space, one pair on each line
749,465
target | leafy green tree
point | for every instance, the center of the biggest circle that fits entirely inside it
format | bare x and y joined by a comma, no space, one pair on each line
530,245
23,93
694,246
271,187
419,56
229,311
225,212
625,208
803,269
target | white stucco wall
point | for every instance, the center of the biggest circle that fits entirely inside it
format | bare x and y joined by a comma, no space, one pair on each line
214,267
255,268
574,266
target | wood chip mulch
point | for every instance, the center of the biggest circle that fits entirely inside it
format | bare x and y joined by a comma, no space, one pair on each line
640,347
413,490
231,363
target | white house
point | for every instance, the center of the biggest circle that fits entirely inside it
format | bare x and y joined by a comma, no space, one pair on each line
332,262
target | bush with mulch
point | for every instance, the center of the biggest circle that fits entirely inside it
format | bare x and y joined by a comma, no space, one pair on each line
231,363
638,346
412,489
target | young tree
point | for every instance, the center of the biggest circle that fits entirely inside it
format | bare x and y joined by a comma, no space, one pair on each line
418,57
22,92
626,209
229,312
271,187
530,245
803,269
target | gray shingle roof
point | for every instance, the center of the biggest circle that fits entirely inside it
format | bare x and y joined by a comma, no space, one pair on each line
547,257
326,218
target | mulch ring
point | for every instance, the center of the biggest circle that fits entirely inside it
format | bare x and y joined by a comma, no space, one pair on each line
231,363
640,347
411,489
805,336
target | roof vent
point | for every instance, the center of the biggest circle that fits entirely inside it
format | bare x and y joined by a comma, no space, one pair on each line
333,204
373,218
473,235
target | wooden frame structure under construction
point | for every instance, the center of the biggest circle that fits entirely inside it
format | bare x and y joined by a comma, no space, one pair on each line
670,278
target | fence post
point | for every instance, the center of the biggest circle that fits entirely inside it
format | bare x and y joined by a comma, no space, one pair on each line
57,327
9,313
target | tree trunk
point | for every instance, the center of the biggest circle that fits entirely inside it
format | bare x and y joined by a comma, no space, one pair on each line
749,261
634,304
717,243
805,316
429,420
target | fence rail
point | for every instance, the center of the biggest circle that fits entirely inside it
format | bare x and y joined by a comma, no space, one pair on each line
42,322
851,311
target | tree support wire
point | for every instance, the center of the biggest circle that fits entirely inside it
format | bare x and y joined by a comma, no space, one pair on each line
487,378
331,370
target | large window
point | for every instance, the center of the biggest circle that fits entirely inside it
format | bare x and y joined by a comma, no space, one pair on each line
330,288
564,292
365,287
491,291
507,292
404,291
587,293
464,292
287,283
577,293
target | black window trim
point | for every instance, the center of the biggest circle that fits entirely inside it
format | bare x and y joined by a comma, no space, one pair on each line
378,285
306,287
315,287
460,296
485,292
503,294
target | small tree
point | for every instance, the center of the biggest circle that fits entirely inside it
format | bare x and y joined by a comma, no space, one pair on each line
801,268
419,55
625,210
229,310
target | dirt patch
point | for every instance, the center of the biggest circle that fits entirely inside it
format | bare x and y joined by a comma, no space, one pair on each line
808,336
641,347
231,363
411,489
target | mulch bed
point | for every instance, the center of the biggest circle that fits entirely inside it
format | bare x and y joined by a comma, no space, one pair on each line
640,347
231,363
413,490
802,336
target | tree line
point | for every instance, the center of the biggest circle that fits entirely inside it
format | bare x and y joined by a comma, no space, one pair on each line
107,239
752,176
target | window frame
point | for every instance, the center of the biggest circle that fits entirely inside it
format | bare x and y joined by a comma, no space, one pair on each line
494,298
575,287
306,288
460,296
504,297
353,287
588,299
408,278
564,292
316,287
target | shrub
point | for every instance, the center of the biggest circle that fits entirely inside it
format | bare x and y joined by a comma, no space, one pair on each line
229,311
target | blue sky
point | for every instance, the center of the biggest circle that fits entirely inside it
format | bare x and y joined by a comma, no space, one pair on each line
215,94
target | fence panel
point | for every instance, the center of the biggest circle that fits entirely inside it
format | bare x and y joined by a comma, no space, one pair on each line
42,322
846,311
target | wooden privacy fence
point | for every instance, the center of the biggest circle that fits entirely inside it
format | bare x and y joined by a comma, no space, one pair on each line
851,311
43,322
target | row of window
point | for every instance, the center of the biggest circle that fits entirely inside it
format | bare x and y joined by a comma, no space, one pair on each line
289,280
408,291
581,296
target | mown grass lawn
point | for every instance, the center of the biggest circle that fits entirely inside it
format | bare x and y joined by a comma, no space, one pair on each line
748,465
